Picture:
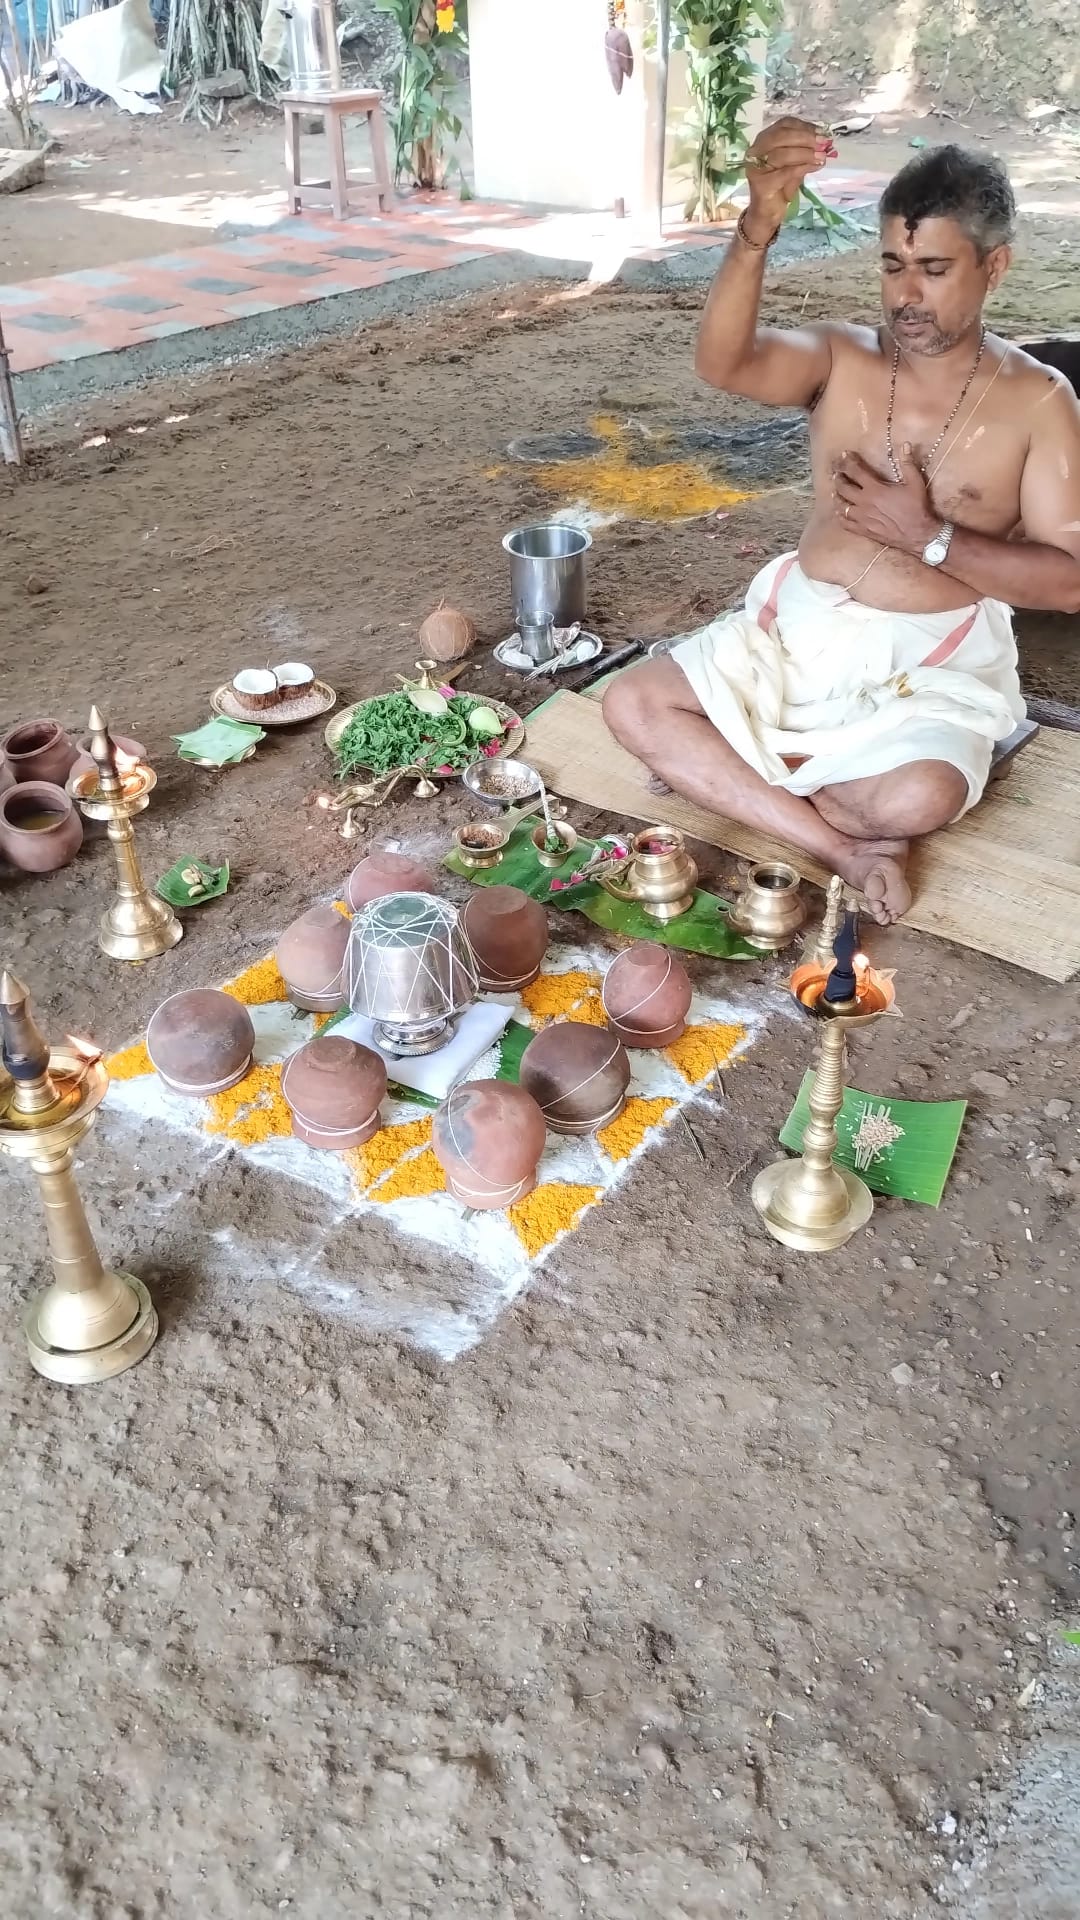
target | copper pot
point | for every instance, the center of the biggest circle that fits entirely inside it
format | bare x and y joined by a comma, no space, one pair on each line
39,750
40,830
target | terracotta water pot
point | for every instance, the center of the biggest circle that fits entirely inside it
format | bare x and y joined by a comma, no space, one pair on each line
311,954
84,761
39,750
40,829
578,1076
333,1088
384,872
488,1137
647,996
200,1041
508,933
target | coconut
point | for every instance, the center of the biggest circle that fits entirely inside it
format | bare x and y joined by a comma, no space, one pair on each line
447,634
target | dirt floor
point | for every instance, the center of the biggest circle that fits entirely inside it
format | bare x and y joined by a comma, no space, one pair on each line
671,1598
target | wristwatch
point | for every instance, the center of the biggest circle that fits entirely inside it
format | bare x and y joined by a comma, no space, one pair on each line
937,552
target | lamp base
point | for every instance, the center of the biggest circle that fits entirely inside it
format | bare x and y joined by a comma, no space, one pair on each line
788,1211
97,1363
138,929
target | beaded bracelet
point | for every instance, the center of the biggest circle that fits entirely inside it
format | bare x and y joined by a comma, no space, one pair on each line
756,246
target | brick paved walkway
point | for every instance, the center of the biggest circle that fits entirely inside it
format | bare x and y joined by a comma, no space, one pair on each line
71,316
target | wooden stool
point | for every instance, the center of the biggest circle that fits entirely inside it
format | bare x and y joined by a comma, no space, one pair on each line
335,108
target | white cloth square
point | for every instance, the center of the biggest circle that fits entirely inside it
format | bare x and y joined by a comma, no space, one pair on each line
478,1028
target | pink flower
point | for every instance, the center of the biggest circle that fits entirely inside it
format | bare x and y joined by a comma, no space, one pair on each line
441,773
493,747
447,692
557,886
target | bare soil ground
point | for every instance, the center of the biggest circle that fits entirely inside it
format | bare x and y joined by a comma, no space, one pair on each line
669,1599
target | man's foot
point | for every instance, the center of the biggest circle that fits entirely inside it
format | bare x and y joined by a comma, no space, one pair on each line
877,869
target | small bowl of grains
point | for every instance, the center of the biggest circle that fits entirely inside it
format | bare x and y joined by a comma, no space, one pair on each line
479,844
502,784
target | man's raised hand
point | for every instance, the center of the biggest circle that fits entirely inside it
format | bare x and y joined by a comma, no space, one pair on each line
776,165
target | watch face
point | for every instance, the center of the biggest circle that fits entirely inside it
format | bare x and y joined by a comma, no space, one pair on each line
935,553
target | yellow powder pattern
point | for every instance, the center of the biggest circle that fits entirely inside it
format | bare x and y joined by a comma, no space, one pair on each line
612,482
548,1211
257,986
252,1111
701,1050
130,1063
637,1119
342,907
559,993
422,1174
389,1146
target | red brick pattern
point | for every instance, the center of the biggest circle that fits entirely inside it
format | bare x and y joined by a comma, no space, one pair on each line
71,316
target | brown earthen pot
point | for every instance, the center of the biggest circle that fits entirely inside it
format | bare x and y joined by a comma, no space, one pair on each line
7,778
383,872
39,750
578,1076
647,995
488,1137
311,954
40,829
333,1088
84,761
508,933
200,1041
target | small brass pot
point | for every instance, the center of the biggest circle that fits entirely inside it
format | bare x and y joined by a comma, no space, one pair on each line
567,842
770,909
660,875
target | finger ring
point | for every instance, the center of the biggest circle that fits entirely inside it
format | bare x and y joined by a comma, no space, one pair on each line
847,511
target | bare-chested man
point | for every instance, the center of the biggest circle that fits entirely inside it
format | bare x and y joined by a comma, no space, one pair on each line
856,701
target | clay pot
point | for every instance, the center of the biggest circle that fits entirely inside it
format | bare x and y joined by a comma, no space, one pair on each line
488,1137
39,750
40,830
333,1088
200,1041
647,996
7,778
578,1076
508,933
84,761
384,872
311,954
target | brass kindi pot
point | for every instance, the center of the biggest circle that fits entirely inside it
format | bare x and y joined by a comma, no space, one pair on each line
660,875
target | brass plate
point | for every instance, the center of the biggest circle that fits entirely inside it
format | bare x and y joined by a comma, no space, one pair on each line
511,740
272,716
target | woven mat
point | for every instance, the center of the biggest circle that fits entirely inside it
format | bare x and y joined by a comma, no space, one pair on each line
1005,879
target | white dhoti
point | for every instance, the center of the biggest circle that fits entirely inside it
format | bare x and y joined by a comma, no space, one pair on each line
805,674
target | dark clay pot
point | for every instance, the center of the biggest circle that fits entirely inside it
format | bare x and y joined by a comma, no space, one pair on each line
333,1088
200,1041
578,1076
383,872
647,996
508,933
488,1137
40,829
39,750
